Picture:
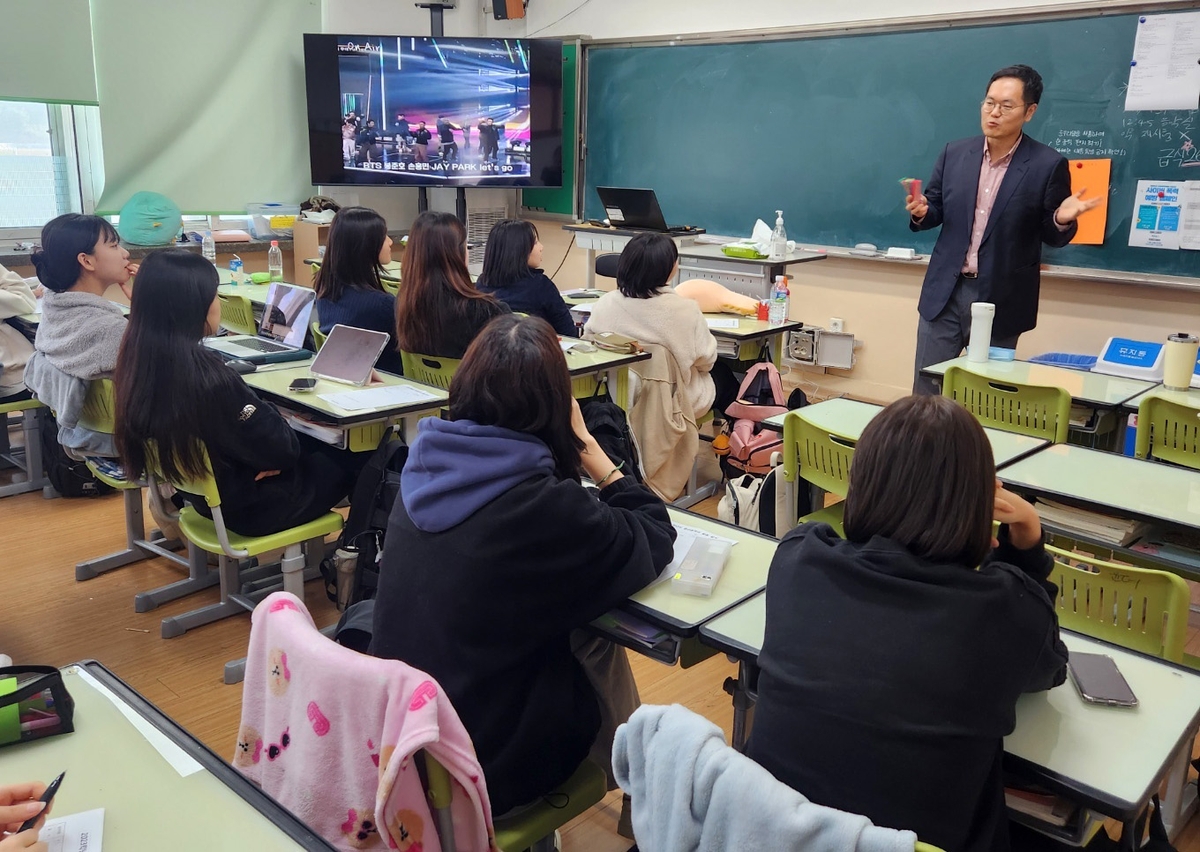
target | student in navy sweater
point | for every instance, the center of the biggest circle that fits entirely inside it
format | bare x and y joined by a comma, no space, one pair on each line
497,558
511,273
893,660
349,289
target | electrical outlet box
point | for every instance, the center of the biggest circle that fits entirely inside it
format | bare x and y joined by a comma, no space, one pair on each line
835,350
837,325
802,346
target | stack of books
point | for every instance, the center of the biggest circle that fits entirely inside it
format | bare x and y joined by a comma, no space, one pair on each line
1106,528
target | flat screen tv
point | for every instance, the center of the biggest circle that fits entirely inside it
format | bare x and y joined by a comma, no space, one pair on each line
423,111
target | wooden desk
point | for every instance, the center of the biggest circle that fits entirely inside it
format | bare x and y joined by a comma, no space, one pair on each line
148,803
751,277
1108,759
606,240
361,429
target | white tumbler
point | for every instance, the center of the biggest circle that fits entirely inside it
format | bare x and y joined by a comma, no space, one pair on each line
980,341
1180,360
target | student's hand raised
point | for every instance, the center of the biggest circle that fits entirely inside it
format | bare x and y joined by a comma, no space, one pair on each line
1024,525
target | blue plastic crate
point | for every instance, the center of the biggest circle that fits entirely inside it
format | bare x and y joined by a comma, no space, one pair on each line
1065,359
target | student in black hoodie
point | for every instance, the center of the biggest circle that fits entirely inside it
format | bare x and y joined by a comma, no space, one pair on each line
512,273
174,392
893,660
496,557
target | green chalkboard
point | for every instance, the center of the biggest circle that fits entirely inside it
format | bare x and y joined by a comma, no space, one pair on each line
561,199
825,128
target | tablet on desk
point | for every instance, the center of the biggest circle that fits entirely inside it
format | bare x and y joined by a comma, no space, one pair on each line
349,354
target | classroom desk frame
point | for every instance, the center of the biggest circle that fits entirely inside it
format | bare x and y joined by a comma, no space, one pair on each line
753,277
734,633
612,240
124,820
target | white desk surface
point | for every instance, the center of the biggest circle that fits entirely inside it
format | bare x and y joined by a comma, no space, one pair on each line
1119,753
751,329
1084,386
275,383
147,803
1189,397
745,574
849,417
1111,483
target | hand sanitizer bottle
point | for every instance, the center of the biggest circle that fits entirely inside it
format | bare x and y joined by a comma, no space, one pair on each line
778,239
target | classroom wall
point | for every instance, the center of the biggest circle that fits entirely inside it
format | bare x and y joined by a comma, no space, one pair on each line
614,19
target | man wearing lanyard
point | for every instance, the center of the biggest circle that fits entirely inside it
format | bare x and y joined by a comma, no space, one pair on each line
998,197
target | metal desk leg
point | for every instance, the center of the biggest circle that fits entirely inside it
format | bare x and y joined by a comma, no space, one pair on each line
1180,801
742,691
591,268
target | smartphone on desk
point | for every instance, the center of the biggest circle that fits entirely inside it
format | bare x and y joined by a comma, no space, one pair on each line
302,385
1099,681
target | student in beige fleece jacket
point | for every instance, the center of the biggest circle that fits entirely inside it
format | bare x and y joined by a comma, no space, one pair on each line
16,298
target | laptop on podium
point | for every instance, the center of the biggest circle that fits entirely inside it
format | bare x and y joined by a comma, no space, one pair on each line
635,209
281,330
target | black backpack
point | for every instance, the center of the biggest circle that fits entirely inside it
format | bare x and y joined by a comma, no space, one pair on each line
608,424
371,504
69,477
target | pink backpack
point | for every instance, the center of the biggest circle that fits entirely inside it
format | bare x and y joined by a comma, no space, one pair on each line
759,397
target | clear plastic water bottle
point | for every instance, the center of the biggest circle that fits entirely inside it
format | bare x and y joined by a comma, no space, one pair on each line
275,261
778,312
208,248
778,239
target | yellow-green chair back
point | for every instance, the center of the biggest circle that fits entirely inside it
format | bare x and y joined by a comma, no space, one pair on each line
816,455
316,267
237,314
429,370
925,847
1137,608
1169,432
99,407
1036,410
318,336
390,286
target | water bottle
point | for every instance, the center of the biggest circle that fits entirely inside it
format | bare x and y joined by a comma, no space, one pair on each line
235,270
778,240
208,248
275,261
778,312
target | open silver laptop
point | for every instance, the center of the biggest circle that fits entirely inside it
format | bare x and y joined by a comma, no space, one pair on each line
281,330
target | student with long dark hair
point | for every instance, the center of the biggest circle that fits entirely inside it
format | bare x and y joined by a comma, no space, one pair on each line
348,285
512,273
174,392
893,660
439,311
496,558
80,330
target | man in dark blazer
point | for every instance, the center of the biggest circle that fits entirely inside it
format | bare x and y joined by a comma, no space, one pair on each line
998,197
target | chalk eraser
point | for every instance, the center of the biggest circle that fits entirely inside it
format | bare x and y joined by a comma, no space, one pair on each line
897,253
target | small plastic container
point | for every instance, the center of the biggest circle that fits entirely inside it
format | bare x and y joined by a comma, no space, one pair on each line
272,219
1065,359
701,568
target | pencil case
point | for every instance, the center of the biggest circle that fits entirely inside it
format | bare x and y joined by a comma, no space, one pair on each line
34,704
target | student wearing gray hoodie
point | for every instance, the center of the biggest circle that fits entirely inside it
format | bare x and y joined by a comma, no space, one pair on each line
496,555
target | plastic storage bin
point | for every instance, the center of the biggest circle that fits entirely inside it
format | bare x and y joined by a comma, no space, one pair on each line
272,219
1065,359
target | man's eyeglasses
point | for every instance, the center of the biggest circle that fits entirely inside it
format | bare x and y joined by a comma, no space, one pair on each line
1006,107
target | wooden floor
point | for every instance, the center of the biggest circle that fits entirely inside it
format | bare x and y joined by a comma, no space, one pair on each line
49,618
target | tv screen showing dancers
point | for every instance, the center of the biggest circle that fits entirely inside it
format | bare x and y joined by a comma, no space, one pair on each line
438,111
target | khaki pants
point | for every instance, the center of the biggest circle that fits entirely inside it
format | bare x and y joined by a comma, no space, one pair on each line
608,672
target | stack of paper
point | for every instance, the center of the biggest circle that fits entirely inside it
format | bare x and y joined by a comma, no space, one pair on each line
727,347
322,432
1046,807
1105,528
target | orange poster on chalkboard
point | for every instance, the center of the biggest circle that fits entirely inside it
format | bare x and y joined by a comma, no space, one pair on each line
1092,175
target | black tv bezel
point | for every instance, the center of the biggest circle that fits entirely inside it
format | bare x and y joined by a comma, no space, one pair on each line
323,97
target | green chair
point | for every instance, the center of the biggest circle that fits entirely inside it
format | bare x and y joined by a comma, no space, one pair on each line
98,415
29,459
390,286
820,458
1137,608
1168,431
237,314
303,548
429,370
533,828
1035,410
318,336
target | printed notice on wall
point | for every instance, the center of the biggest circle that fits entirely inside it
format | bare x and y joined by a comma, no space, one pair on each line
1189,227
1165,70
1157,210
